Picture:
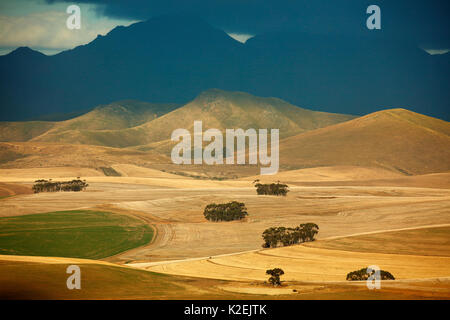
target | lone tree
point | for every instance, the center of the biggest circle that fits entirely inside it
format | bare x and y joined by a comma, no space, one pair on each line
310,230
225,211
275,276
275,189
289,236
361,275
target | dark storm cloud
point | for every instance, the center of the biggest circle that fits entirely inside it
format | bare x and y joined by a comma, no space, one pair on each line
423,21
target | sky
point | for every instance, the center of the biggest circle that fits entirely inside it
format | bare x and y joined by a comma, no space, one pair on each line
41,24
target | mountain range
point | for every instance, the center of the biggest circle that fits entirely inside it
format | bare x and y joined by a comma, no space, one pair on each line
174,58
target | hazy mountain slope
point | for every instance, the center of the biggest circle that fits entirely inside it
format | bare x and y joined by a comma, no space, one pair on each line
114,116
216,109
395,139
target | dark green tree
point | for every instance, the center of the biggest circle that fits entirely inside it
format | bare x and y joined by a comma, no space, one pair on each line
277,189
310,229
289,236
275,276
225,211
55,186
362,275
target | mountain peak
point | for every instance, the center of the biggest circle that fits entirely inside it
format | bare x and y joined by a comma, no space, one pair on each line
391,112
395,113
214,94
218,99
167,28
218,94
24,52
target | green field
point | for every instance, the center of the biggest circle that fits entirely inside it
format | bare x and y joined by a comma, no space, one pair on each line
77,234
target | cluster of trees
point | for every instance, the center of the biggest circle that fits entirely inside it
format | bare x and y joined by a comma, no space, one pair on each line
55,186
275,189
362,274
225,211
289,236
275,276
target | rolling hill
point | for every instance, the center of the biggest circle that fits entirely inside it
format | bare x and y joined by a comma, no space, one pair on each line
228,110
216,108
117,115
114,116
395,139
15,155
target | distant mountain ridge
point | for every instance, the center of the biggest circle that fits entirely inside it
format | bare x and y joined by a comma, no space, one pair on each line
173,58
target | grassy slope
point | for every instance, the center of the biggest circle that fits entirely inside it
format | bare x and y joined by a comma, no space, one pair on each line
11,189
36,154
23,131
78,234
395,139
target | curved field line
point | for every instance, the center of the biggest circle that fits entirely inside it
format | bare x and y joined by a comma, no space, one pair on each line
304,263
387,230
263,251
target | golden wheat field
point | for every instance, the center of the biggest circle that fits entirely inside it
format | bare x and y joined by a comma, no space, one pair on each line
401,227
